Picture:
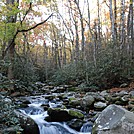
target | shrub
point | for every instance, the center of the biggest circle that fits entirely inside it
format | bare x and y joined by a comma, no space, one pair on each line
8,118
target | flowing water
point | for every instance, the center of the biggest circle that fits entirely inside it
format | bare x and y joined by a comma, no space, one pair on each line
37,113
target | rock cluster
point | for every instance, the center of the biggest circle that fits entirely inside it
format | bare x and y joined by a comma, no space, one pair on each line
79,108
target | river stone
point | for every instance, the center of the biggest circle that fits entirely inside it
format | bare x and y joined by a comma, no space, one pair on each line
131,94
75,124
87,100
74,102
123,85
60,115
15,94
100,105
104,93
114,120
87,127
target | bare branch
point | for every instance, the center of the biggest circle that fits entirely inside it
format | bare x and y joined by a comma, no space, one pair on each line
25,30
30,7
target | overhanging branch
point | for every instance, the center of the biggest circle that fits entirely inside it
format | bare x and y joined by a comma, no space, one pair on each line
25,30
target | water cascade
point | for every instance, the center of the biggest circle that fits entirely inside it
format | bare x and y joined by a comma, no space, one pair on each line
37,113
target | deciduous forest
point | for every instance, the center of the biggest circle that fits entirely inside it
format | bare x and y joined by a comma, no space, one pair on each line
81,46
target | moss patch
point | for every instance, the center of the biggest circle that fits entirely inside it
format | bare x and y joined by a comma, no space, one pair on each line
76,114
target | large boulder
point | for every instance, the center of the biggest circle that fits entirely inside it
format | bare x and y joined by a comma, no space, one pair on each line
28,124
59,114
114,120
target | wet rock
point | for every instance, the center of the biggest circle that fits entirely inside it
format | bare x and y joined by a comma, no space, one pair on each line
75,124
123,85
50,97
75,113
59,114
87,127
87,101
7,99
96,96
28,125
100,105
131,94
132,110
122,101
45,90
125,99
40,84
15,94
49,87
114,120
45,106
59,89
74,102
122,93
9,130
26,102
104,93
115,99
73,89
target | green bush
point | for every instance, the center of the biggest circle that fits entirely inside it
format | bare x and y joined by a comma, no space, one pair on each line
112,69
68,73
8,118
25,71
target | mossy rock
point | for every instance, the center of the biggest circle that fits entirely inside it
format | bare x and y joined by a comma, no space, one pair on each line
76,113
72,98
58,115
73,89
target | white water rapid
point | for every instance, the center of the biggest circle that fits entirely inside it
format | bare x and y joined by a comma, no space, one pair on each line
37,113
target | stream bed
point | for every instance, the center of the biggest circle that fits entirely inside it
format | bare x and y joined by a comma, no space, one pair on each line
38,114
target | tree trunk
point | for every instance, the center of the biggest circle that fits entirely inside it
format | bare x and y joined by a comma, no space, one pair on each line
11,42
11,59
82,28
112,19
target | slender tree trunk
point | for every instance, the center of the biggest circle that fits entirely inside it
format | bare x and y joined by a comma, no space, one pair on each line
82,28
99,27
132,27
64,50
115,20
112,19
11,42
92,35
122,32
46,61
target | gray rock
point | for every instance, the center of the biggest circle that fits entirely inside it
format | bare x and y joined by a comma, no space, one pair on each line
104,93
100,105
122,93
15,94
87,100
123,85
114,120
75,102
75,124
87,127
131,94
